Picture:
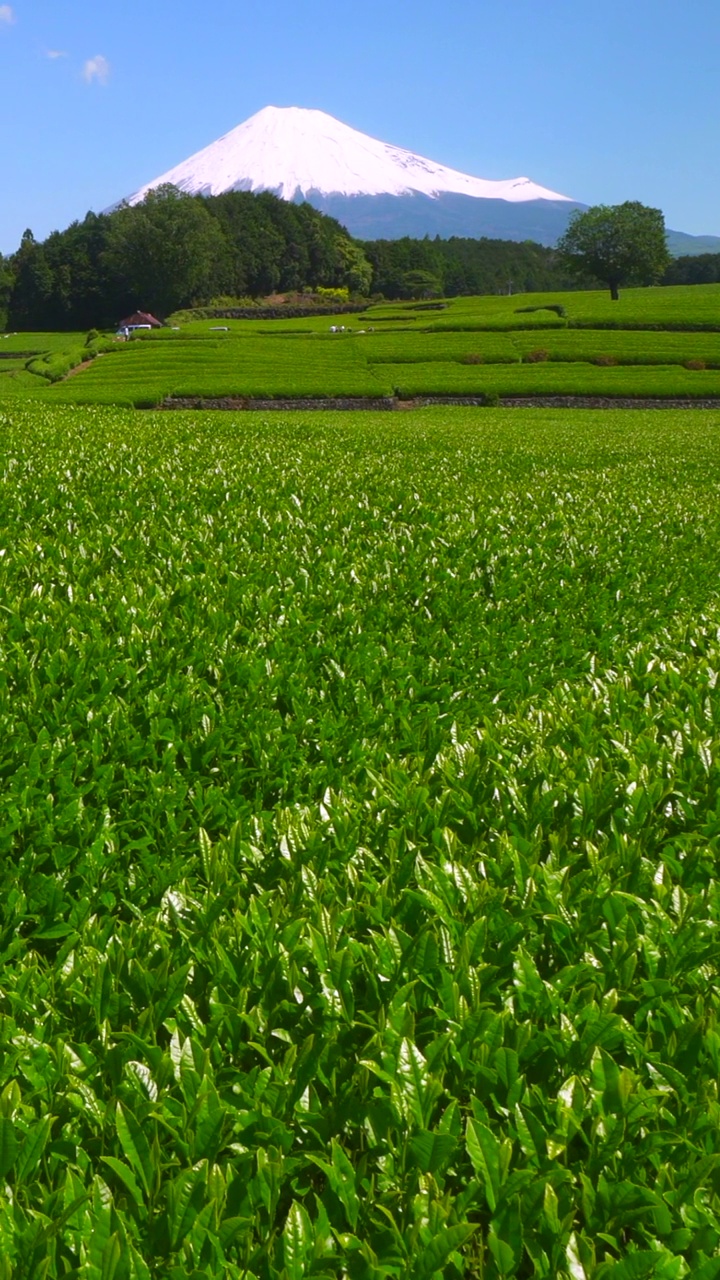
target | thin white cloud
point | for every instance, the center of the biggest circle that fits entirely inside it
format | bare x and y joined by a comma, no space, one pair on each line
7,16
55,53
96,69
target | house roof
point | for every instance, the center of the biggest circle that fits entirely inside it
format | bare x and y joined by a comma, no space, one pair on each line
140,317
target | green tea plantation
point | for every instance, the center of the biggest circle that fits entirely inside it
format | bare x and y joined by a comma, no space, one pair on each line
661,343
359,899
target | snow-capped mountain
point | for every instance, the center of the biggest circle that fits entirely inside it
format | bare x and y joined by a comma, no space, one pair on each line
297,153
374,189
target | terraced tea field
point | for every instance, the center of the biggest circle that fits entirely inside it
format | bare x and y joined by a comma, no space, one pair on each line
653,343
360,832
573,378
147,372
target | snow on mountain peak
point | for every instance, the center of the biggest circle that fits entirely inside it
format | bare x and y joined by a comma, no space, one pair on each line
295,151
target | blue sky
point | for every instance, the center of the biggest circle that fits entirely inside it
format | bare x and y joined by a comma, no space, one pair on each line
602,101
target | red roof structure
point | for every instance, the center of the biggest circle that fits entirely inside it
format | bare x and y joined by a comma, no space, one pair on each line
140,317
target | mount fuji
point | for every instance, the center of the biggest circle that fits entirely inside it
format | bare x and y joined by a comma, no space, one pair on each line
374,189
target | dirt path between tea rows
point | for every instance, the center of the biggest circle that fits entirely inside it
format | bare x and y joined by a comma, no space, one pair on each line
392,404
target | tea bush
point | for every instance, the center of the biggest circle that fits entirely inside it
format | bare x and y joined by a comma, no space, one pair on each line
358,889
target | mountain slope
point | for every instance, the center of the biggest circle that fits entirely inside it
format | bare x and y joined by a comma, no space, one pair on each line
376,190
296,152
681,244
446,215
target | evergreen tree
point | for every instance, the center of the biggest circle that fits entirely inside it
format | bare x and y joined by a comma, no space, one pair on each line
167,252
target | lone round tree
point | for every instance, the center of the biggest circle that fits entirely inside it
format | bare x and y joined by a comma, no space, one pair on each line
619,244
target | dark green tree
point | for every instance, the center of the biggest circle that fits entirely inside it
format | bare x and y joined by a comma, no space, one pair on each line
420,284
254,244
618,244
31,298
6,284
352,268
168,251
700,268
88,301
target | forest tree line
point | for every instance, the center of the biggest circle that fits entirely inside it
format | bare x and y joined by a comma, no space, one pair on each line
457,266
700,268
174,251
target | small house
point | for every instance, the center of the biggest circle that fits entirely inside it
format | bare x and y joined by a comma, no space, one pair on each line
138,320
